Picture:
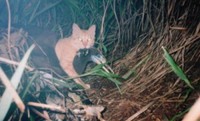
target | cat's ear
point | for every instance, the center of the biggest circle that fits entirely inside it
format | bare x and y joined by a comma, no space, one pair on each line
75,29
92,30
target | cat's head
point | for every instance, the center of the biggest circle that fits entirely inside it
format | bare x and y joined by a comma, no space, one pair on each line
85,37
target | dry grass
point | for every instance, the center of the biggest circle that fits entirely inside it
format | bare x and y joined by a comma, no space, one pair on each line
154,81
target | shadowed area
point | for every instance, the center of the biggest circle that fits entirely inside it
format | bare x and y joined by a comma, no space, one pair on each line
86,56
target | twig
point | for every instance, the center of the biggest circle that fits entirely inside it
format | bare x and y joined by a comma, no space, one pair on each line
103,21
14,63
45,106
43,115
12,91
9,26
139,112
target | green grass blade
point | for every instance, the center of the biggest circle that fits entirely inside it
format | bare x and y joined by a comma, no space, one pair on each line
179,115
29,84
177,70
15,80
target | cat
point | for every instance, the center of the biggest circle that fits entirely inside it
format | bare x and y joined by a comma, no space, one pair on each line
67,48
